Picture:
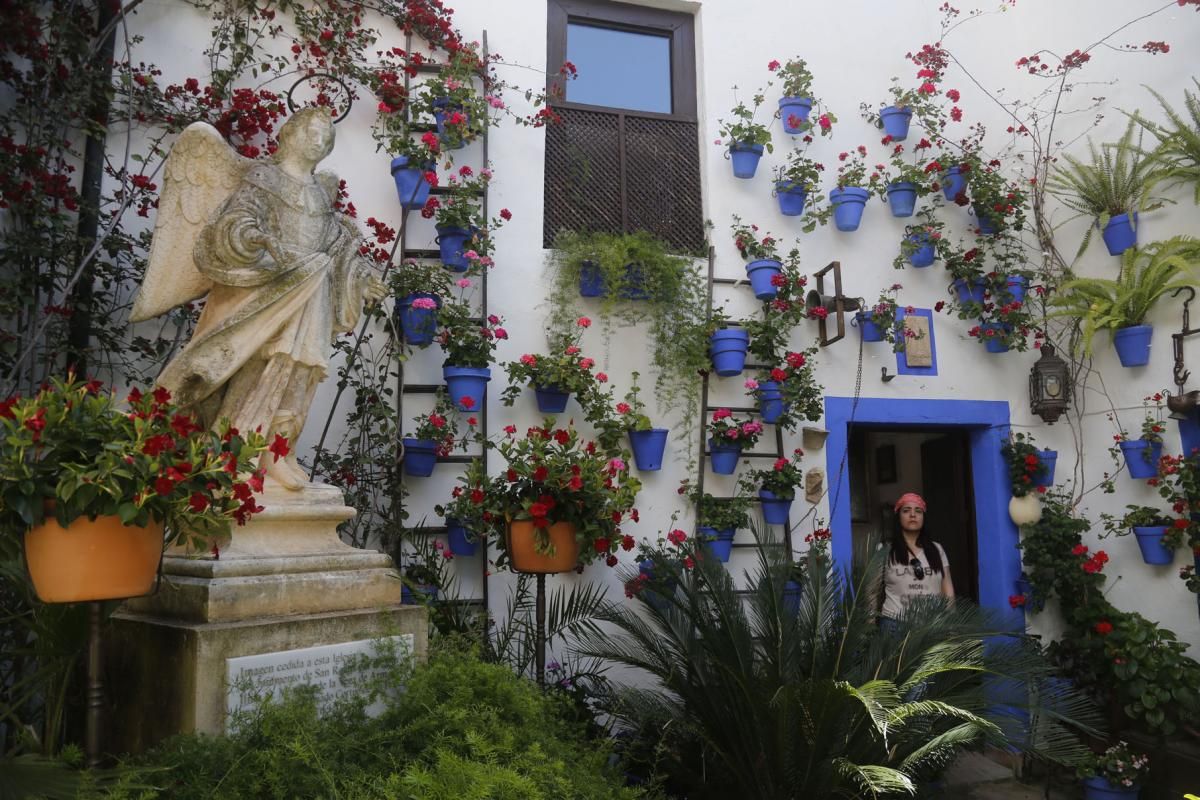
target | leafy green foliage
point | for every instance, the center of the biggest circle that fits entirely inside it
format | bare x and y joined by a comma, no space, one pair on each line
1176,160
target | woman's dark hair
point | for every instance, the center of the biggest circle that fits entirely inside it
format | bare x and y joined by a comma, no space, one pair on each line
900,554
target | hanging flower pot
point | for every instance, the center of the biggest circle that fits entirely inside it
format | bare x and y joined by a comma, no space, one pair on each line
451,243
524,556
1050,459
98,559
719,543
774,509
724,457
895,122
1119,235
1150,542
411,186
794,112
658,601
848,205
728,348
761,272
1025,510
1097,788
902,197
420,457
1141,457
634,286
971,291
925,253
1024,587
793,591
791,197
648,448
1189,432
953,183
421,593
869,330
988,225
462,541
1133,345
442,110
770,401
418,323
745,159
1016,286
591,281
467,386
551,399
993,334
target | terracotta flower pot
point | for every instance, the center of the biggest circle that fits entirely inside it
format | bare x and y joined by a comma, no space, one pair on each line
97,559
525,557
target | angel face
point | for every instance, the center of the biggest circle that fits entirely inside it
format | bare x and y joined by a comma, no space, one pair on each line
318,139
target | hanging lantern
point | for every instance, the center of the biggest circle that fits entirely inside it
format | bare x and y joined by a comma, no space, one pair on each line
1049,386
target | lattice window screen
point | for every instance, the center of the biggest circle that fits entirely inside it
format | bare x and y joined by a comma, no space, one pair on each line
657,189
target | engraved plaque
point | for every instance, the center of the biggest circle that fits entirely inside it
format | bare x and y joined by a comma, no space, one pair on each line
918,351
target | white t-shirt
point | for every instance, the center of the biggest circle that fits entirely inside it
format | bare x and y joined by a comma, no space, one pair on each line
900,583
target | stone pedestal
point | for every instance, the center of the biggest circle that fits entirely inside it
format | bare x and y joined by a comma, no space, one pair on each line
284,582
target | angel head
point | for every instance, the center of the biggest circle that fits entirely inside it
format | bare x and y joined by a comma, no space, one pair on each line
307,134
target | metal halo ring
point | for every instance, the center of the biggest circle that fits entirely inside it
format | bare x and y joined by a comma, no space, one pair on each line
293,108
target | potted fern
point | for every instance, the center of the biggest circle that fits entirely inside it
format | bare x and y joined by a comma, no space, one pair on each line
1122,305
1112,187
1176,159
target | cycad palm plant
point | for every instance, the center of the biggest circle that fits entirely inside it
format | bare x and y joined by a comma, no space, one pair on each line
1112,182
1146,275
753,697
1176,159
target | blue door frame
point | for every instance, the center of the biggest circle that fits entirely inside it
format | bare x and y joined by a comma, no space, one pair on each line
987,425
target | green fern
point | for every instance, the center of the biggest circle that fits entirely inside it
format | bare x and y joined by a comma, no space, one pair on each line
1176,160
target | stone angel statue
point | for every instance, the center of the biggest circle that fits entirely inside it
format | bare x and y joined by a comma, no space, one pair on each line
280,268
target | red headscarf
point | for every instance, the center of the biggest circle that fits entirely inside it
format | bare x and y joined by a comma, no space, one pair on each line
910,499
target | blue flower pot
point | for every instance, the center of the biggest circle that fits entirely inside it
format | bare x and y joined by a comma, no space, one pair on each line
1024,587
793,591
424,592
1016,286
1097,788
718,543
634,285
745,159
442,109
648,448
970,292
895,122
770,402
451,245
848,205
1141,457
791,197
551,399
995,342
774,509
953,183
902,197
724,457
924,255
728,349
658,601
420,457
417,325
1050,459
462,541
1133,345
1189,433
469,382
760,273
591,281
1119,235
411,186
988,225
869,330
798,107
1150,542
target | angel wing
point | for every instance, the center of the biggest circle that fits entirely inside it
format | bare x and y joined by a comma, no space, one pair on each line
200,173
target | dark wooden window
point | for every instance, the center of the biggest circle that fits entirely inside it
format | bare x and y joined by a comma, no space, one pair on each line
626,155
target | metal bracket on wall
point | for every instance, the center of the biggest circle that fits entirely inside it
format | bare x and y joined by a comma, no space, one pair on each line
1179,372
837,302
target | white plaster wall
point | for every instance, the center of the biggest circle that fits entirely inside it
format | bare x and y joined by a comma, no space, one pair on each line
854,47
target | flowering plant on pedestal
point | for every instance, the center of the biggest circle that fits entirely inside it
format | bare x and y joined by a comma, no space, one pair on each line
72,451
553,476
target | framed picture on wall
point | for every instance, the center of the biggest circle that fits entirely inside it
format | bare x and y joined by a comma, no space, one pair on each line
885,463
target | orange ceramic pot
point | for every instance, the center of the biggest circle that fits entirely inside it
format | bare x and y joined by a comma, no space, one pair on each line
526,558
97,559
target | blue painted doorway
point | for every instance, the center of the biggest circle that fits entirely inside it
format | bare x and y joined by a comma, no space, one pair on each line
986,425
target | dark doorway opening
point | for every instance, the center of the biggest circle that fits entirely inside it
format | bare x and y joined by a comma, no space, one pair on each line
887,461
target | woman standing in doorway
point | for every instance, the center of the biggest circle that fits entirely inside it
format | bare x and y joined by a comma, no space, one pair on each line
917,565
